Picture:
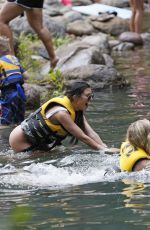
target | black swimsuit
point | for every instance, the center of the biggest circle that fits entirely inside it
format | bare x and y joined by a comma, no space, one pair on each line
29,3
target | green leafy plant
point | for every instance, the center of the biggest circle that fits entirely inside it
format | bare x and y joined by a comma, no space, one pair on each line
25,52
56,81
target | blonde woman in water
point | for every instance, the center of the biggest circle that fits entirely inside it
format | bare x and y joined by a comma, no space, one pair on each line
135,151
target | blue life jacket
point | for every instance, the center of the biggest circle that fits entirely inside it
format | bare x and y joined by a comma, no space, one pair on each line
11,74
11,71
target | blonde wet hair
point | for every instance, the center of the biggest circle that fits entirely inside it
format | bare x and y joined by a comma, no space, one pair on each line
138,134
4,45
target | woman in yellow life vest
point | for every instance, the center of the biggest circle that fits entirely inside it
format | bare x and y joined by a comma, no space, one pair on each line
135,151
56,119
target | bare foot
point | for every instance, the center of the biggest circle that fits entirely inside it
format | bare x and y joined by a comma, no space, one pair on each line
54,62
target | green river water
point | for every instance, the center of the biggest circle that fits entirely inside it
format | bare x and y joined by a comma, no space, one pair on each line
76,188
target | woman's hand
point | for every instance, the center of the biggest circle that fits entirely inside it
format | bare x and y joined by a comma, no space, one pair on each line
111,150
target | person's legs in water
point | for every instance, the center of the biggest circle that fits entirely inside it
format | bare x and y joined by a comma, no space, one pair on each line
139,15
132,16
137,7
35,19
8,12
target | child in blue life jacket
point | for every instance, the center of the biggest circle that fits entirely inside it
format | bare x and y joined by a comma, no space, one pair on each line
12,96
135,151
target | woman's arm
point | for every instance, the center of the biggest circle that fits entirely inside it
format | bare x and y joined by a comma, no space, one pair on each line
65,120
92,134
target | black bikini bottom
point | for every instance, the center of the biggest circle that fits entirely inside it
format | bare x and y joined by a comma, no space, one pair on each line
29,3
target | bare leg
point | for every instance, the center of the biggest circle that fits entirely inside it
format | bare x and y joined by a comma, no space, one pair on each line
8,12
133,16
139,15
17,140
138,22
35,19
137,7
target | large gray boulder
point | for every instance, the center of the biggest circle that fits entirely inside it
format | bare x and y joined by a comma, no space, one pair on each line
100,40
80,28
115,26
78,54
99,76
20,24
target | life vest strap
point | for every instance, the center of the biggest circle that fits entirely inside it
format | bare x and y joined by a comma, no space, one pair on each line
10,98
11,80
41,131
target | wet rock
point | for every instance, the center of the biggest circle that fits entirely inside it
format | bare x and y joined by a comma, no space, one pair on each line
80,28
146,39
103,17
56,9
20,24
99,76
117,3
115,26
81,2
113,43
133,37
32,92
87,50
78,54
87,58
100,40
72,16
123,46
108,60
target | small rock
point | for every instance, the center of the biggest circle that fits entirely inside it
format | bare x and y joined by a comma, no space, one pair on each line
131,37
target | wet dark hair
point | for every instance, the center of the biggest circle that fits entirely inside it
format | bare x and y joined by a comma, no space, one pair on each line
76,89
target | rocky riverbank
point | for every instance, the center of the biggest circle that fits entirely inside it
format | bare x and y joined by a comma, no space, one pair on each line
88,54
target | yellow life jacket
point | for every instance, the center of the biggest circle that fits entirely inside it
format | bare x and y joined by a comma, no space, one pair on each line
63,101
129,155
42,131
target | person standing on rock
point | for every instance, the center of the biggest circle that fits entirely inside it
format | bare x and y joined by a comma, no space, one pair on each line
137,7
33,9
